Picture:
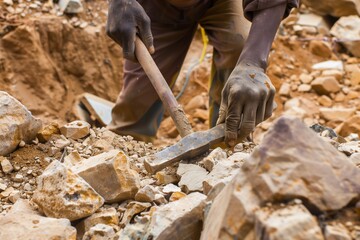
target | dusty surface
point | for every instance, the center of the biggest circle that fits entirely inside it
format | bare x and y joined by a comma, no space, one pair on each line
47,60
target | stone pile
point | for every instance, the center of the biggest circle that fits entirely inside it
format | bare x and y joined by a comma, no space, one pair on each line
94,183
327,91
89,14
284,190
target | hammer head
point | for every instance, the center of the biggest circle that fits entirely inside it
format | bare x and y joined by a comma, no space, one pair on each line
190,146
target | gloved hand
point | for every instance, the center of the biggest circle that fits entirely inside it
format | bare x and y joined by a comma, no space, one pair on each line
127,18
247,100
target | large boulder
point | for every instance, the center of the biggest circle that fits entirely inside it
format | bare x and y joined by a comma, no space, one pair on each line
110,175
292,161
16,124
336,8
347,29
22,222
63,194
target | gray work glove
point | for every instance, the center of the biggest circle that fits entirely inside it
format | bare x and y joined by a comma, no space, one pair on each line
247,100
127,18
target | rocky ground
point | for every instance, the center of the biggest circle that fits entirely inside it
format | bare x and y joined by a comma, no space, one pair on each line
76,181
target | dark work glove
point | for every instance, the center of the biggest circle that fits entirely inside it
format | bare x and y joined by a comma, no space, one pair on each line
127,18
247,100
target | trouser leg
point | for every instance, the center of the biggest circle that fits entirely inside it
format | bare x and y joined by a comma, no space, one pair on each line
227,30
138,110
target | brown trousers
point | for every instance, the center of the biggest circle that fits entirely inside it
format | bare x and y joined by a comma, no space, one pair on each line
138,110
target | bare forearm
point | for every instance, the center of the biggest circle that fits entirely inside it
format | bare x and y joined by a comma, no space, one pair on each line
262,33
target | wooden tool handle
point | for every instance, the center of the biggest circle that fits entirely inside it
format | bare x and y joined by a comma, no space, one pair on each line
162,88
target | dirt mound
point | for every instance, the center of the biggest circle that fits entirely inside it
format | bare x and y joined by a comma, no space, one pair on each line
46,62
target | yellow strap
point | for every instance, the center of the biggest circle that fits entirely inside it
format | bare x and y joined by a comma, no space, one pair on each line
205,40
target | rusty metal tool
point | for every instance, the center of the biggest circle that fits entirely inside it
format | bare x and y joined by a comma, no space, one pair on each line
190,146
162,88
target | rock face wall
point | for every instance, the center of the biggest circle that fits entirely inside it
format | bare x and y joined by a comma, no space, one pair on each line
16,124
45,63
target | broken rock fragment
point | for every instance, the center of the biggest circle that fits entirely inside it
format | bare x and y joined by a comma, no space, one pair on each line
351,125
61,193
100,232
348,28
16,124
22,222
6,165
289,222
325,85
146,194
222,174
337,114
292,161
76,129
132,209
213,158
179,220
336,232
110,175
47,132
231,215
107,216
164,178
192,177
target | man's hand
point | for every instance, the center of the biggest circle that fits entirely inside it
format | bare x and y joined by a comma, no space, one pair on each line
126,19
247,100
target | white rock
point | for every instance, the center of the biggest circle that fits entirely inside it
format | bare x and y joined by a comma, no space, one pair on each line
75,129
192,177
7,192
8,2
100,232
180,220
213,158
146,194
3,186
14,196
221,175
337,114
355,159
16,124
170,188
337,232
285,89
313,21
61,193
290,222
348,29
6,165
22,222
331,64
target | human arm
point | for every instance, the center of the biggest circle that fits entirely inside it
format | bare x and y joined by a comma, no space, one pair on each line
247,97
